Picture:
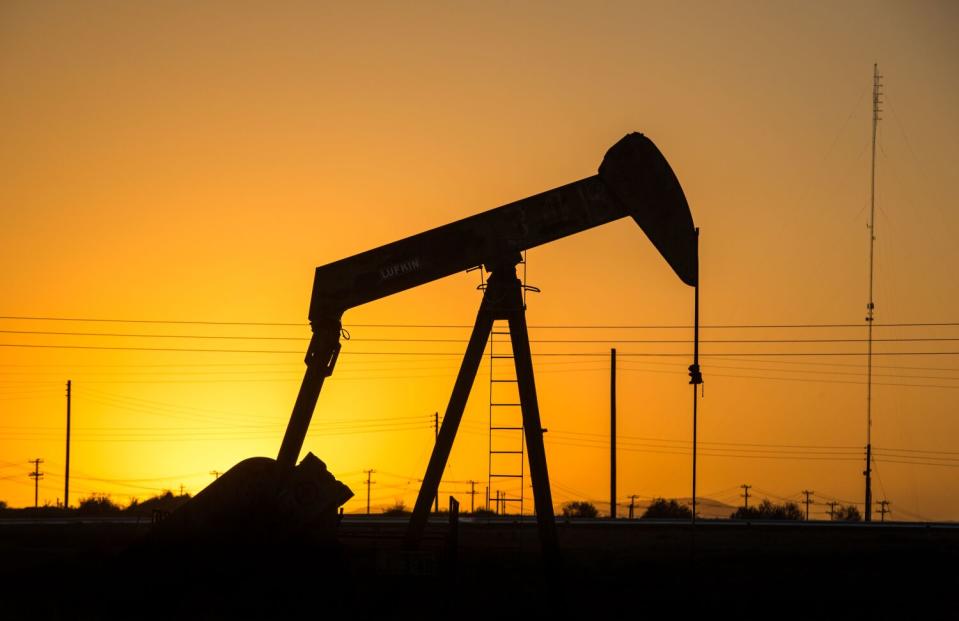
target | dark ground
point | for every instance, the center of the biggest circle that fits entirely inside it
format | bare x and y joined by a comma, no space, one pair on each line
73,569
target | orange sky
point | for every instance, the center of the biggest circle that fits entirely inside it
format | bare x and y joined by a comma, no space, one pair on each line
174,162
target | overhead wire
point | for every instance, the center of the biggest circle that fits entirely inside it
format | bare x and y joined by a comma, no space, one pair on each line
458,354
467,326
465,340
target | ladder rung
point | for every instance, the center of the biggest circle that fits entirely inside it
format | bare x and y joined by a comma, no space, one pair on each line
500,333
506,476
511,381
507,452
506,428
501,356
505,405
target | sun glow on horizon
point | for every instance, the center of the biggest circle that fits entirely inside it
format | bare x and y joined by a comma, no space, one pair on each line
197,164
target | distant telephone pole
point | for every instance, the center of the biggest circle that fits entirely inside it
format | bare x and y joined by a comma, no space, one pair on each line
472,495
745,495
612,433
832,509
216,474
632,505
369,482
807,493
883,509
66,470
436,437
36,475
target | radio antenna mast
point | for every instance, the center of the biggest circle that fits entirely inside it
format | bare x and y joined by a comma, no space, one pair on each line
870,308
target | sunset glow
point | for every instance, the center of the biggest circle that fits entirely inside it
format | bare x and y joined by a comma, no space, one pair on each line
181,170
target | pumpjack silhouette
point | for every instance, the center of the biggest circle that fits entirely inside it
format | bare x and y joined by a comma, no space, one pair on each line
634,179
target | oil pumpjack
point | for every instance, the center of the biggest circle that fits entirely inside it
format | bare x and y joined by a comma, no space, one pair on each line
634,179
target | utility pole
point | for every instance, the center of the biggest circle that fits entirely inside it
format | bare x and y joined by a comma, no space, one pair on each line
66,471
182,489
216,474
369,482
486,495
612,433
870,308
883,509
436,437
807,493
745,495
832,509
36,475
632,505
695,377
472,496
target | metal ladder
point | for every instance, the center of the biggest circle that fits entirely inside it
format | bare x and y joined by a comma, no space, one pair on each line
507,440
507,443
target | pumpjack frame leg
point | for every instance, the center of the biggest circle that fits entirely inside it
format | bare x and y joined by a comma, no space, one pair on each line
503,299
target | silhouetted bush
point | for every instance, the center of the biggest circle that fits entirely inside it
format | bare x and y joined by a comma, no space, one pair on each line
579,509
3,505
661,508
847,513
165,502
481,512
398,508
769,511
98,504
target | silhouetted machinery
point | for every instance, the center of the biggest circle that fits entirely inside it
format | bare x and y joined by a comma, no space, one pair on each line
634,180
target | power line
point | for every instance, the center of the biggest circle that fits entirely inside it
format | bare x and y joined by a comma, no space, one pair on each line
298,366
467,326
459,354
778,457
158,336
827,364
156,321
833,453
458,340
812,380
359,373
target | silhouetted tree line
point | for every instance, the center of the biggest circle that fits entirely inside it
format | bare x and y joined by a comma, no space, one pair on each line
98,504
660,508
846,513
579,509
767,510
398,509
